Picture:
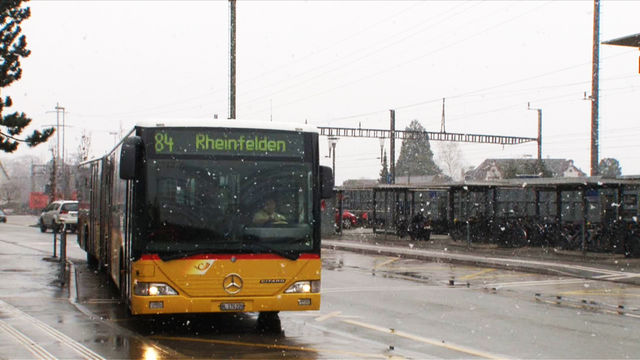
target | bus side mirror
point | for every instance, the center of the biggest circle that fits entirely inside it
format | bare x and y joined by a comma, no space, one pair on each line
129,157
326,182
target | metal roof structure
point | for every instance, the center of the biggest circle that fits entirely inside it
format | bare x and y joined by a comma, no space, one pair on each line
591,181
629,40
436,136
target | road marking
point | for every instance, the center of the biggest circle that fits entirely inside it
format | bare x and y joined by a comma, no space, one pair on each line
328,316
454,256
73,285
475,275
33,347
378,289
580,305
617,277
273,346
84,351
386,263
417,268
535,283
600,292
439,343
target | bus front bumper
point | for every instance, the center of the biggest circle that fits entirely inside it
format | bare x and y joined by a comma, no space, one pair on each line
176,304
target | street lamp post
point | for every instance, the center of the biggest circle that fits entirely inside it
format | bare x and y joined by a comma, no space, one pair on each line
333,141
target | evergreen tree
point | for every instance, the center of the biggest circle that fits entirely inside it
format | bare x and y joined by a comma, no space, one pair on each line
13,46
416,157
384,173
526,167
609,168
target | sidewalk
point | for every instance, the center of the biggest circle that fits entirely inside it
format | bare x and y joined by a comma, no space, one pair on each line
441,248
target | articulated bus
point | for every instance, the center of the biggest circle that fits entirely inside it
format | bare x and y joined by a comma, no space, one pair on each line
170,214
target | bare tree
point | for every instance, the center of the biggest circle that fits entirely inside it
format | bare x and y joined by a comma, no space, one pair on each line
15,188
10,191
84,147
449,157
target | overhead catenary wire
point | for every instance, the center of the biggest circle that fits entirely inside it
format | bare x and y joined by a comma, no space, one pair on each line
341,66
387,69
182,101
478,92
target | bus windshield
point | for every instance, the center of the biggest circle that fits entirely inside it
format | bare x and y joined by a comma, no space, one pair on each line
195,206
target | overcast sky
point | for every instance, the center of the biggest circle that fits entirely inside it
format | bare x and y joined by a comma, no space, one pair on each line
340,63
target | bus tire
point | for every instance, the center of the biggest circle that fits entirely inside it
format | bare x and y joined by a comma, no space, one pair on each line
269,322
123,287
92,262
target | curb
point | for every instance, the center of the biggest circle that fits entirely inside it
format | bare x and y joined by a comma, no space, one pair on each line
516,264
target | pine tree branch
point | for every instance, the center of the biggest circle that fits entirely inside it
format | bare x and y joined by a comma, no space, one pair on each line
12,138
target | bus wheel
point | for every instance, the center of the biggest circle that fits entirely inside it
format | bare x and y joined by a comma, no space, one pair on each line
269,322
124,293
92,262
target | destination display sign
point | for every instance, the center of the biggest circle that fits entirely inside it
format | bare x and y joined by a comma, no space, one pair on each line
226,142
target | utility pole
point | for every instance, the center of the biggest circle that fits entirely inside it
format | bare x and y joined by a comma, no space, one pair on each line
539,130
333,141
57,110
53,179
595,87
392,146
232,59
60,109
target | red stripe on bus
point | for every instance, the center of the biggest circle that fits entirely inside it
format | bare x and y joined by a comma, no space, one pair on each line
229,256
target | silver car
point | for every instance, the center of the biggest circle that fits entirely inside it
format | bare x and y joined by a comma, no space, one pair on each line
59,215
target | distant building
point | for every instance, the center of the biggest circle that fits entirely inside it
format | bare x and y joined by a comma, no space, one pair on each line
496,169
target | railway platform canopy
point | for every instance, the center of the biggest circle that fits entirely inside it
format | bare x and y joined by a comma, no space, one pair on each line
587,213
569,182
629,40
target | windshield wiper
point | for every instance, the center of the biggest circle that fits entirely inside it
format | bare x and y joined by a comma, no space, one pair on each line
254,244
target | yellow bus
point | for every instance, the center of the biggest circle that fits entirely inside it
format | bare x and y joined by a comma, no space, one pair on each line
208,216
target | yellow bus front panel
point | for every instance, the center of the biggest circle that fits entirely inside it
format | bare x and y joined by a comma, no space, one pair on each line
225,283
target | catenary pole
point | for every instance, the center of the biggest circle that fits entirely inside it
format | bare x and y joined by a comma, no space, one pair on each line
595,88
392,145
232,59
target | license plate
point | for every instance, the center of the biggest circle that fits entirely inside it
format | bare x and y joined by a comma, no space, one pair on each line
232,306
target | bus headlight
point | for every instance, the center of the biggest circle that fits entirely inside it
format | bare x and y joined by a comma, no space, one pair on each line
304,287
153,289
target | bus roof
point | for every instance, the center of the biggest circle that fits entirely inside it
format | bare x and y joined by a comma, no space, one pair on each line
227,124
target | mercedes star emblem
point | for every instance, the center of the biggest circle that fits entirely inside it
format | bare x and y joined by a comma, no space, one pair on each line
232,283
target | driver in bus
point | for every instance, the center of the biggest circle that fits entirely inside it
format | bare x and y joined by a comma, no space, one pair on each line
268,215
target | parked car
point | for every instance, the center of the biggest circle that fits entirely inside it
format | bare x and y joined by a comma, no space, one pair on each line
3,217
349,219
59,215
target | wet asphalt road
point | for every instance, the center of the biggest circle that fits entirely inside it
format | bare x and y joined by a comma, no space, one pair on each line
372,306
